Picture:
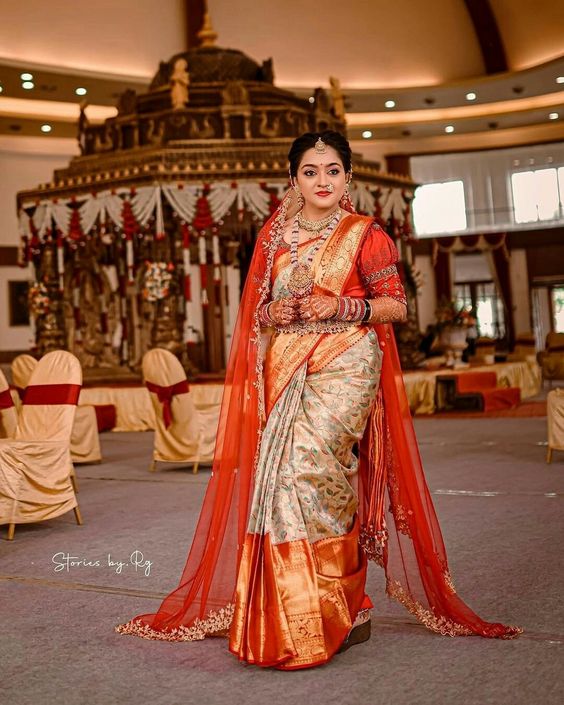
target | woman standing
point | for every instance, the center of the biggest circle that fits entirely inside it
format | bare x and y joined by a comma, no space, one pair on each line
316,466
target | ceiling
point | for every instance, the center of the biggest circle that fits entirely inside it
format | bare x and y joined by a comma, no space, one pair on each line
424,56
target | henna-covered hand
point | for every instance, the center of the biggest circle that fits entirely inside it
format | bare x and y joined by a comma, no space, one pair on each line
284,311
317,307
384,309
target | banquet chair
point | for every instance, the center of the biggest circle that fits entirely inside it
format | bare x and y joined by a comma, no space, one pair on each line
555,421
8,413
22,366
36,465
525,348
180,436
551,359
85,441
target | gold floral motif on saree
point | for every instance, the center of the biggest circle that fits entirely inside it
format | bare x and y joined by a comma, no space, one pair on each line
306,467
398,511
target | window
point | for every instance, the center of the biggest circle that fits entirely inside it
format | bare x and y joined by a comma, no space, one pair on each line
537,195
558,309
439,208
486,306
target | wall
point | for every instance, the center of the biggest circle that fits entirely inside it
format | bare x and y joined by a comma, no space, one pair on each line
486,177
128,37
520,289
426,296
24,163
12,337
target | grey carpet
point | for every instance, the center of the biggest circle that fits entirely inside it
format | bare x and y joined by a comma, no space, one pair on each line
58,644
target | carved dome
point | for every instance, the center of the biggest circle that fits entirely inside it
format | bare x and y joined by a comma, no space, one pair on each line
215,64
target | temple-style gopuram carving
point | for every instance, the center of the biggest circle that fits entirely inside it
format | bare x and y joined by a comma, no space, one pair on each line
145,238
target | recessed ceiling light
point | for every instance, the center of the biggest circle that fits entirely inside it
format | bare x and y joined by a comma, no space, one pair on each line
28,85
26,77
81,91
390,104
449,128
1,88
553,116
367,134
470,96
560,79
311,99
46,128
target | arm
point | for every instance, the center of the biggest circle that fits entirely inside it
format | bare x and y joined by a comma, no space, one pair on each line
379,274
386,301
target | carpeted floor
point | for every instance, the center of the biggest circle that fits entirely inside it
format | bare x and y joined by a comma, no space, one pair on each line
500,507
526,409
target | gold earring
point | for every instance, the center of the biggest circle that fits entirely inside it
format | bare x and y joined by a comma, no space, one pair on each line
299,194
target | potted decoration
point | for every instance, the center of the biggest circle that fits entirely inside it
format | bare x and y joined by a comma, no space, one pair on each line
453,322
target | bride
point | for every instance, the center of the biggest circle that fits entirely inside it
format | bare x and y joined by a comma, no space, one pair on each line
316,467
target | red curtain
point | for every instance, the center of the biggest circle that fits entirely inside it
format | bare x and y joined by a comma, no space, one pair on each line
500,258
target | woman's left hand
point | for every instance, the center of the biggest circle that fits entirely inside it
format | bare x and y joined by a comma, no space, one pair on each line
317,307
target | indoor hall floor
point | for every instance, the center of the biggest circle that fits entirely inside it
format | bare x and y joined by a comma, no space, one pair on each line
501,511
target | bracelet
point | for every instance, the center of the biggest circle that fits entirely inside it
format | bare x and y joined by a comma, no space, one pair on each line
264,316
352,309
367,311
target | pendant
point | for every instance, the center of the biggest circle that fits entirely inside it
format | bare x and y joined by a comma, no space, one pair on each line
301,281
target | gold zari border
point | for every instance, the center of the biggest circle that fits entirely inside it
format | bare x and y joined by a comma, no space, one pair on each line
441,625
213,625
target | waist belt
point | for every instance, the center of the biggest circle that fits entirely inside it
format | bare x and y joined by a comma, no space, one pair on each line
326,326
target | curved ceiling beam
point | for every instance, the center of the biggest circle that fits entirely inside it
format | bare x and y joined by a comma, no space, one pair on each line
489,37
551,100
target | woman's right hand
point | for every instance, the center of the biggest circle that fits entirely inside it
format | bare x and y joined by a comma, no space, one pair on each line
284,311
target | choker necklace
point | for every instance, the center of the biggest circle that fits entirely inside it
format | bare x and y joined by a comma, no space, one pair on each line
316,226
301,279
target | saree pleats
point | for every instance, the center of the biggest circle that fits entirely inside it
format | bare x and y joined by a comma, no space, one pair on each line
296,602
302,574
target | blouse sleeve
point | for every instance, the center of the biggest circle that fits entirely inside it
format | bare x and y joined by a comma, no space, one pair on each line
377,266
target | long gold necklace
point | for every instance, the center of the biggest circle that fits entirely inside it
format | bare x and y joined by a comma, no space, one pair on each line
315,226
301,279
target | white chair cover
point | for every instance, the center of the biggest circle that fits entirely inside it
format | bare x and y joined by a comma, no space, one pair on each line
182,441
22,368
555,418
85,441
8,413
36,466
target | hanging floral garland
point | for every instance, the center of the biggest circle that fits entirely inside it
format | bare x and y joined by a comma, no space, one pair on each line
156,281
38,299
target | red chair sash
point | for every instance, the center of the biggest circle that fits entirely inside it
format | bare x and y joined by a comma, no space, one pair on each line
6,401
51,394
165,395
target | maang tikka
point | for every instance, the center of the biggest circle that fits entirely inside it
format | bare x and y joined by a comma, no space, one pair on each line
320,146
